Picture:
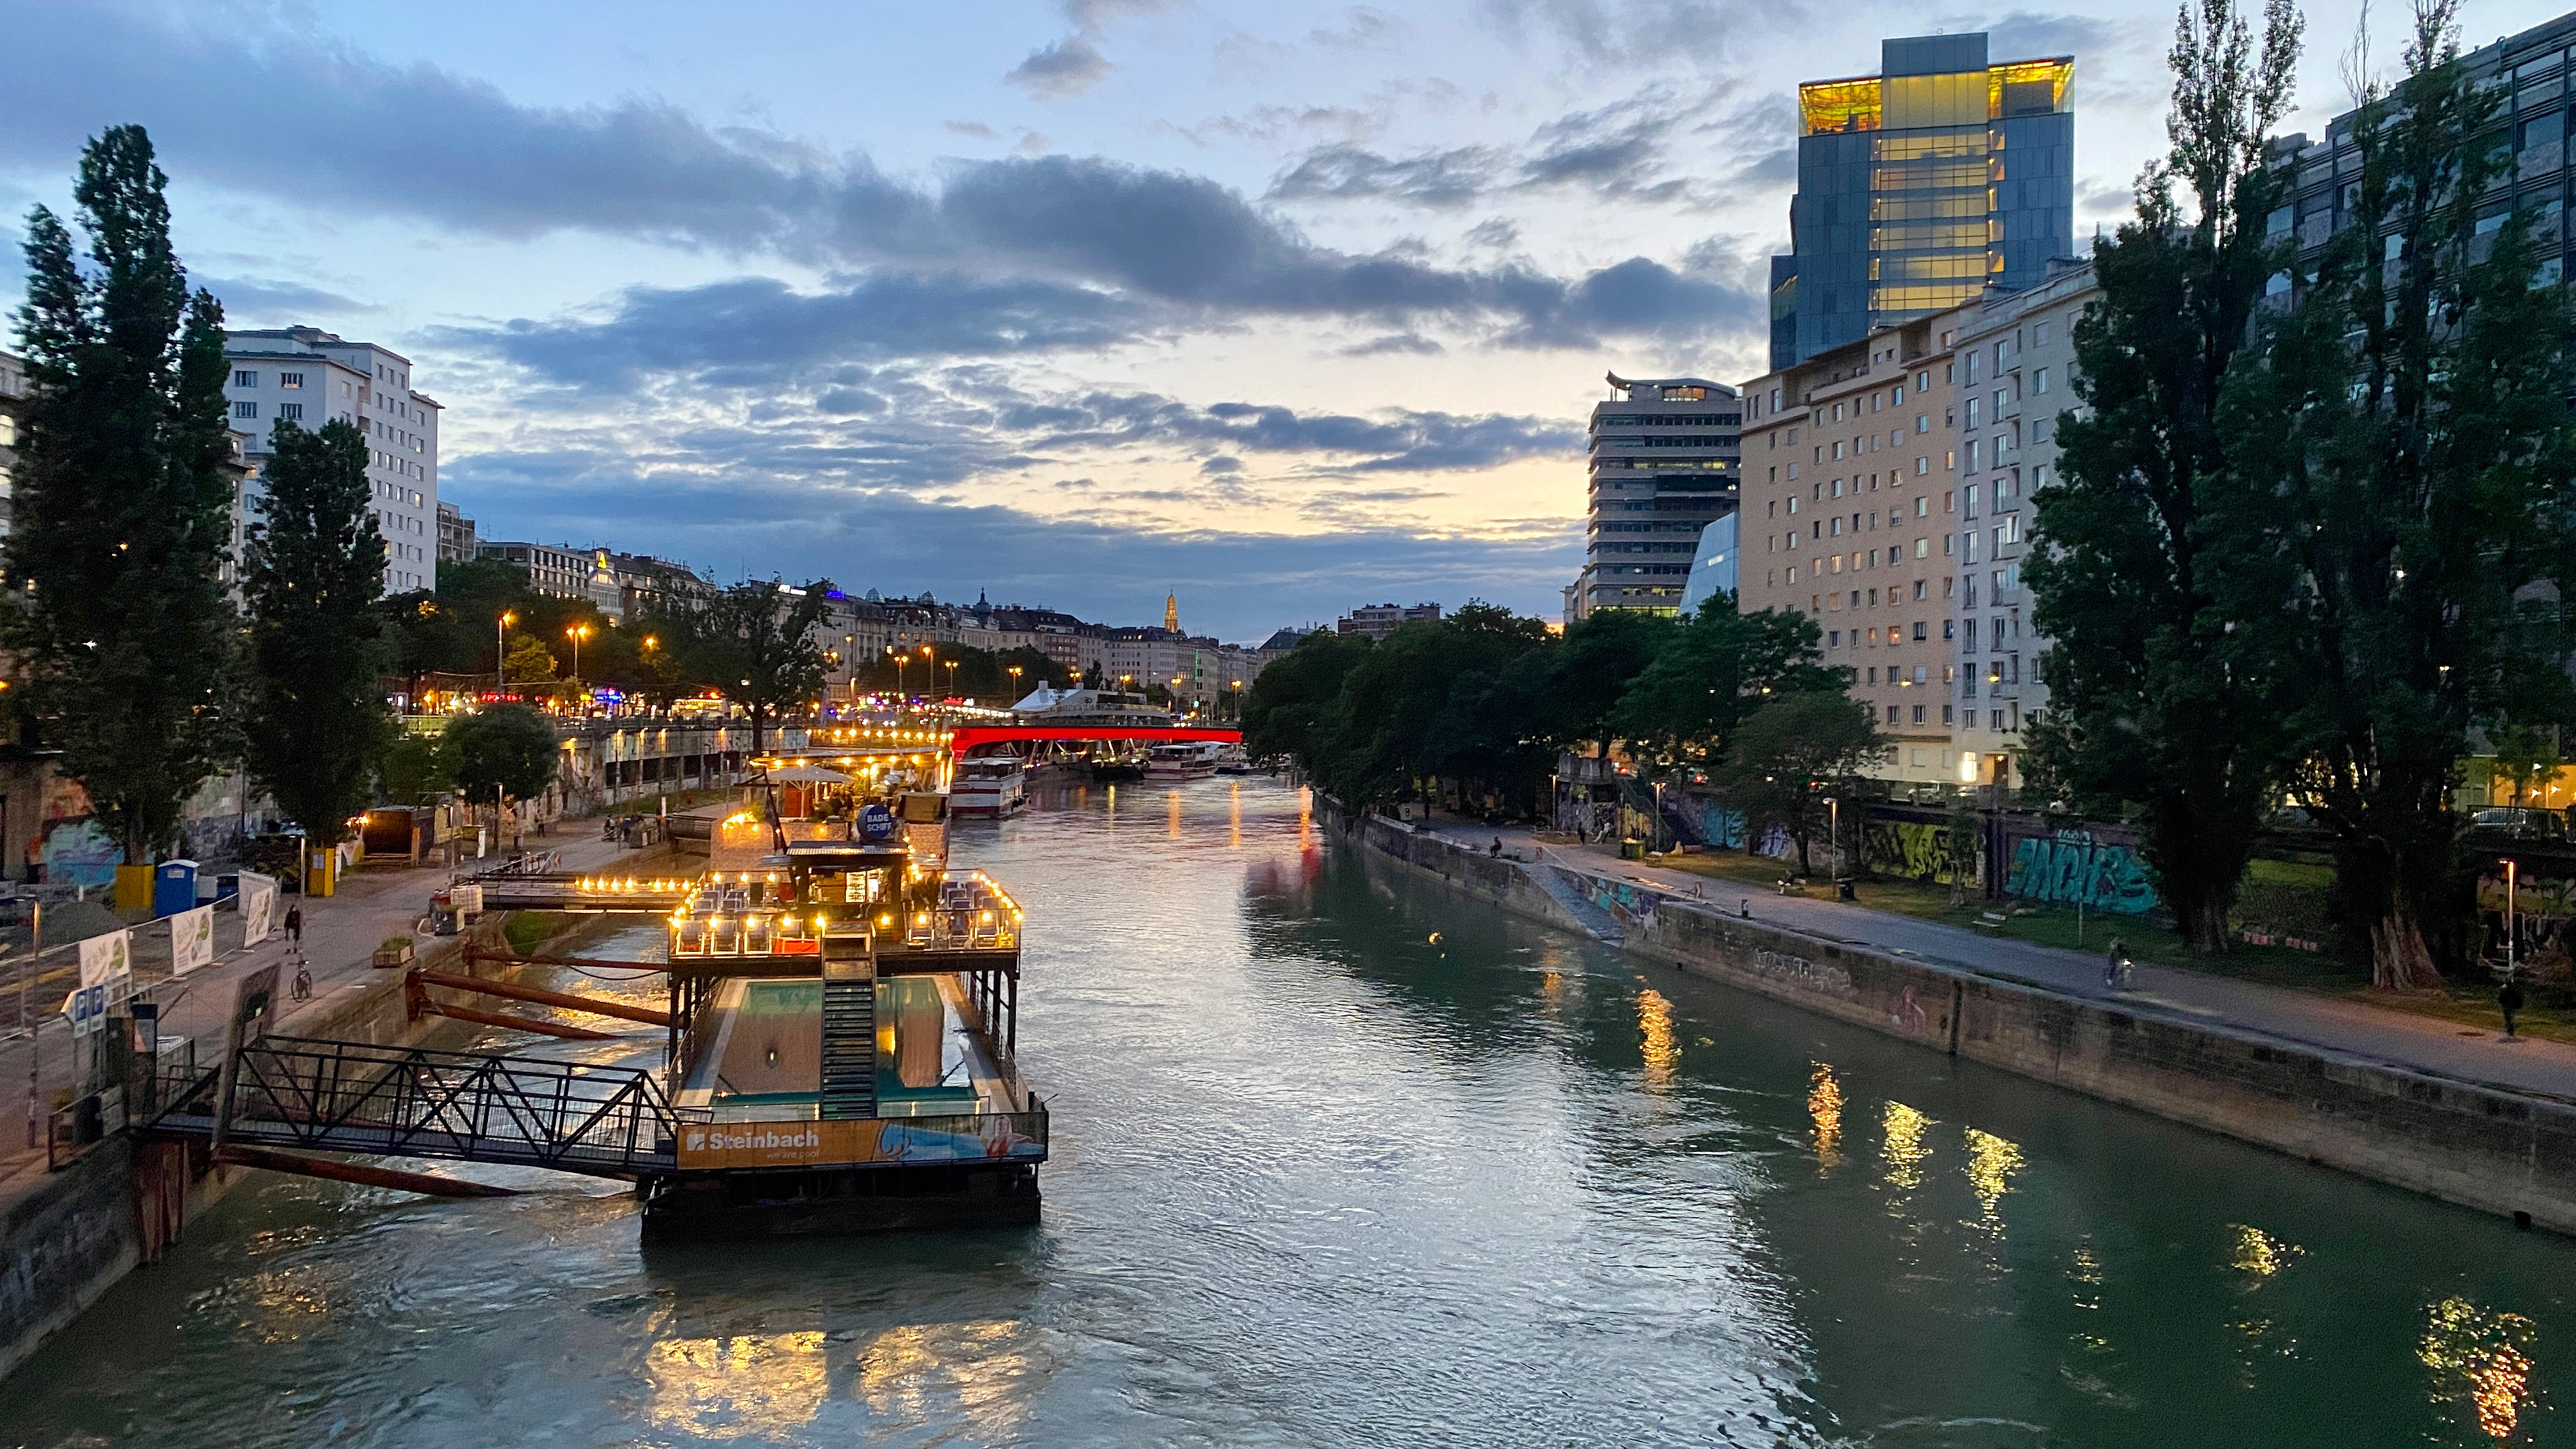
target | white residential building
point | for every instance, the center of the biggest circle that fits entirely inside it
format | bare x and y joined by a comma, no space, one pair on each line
314,377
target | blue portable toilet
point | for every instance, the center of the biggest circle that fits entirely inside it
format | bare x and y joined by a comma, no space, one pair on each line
174,887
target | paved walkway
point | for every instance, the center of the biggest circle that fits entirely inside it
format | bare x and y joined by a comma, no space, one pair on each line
341,933
2425,1043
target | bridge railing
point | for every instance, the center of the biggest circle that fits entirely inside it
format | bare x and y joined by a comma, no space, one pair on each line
352,1097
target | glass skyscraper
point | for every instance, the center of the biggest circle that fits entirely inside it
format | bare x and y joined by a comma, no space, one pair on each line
1920,187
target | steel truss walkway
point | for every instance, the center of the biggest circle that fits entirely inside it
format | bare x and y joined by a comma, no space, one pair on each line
334,1096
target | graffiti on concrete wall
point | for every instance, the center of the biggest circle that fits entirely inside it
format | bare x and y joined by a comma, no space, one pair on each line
1917,849
2072,868
1715,825
1776,843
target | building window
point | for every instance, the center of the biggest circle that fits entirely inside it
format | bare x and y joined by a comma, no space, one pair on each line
290,379
292,412
2039,375
1891,714
1918,714
245,410
245,379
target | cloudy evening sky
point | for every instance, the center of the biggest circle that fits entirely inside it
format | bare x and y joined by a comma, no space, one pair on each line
1286,307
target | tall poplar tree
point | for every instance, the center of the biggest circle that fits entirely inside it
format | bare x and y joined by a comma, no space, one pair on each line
2409,498
122,512
317,718
2144,710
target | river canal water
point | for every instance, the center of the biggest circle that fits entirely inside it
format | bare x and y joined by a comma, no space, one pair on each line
1342,1159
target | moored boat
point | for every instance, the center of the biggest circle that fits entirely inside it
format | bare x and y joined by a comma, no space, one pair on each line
995,786
1194,760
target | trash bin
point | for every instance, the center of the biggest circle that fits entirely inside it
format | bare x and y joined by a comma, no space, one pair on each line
321,872
174,887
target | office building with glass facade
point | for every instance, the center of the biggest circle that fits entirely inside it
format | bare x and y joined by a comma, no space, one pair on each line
1919,188
1664,455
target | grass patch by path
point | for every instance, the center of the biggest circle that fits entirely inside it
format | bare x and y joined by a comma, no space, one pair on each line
2468,1004
525,929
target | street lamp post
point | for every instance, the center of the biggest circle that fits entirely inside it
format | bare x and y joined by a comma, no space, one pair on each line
501,652
900,660
952,678
576,633
1834,829
1238,701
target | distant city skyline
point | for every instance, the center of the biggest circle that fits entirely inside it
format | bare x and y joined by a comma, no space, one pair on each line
1096,299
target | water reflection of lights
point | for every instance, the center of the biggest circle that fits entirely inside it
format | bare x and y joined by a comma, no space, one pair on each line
2477,1353
1172,826
1655,1024
769,1385
1904,1151
1991,1163
1825,1107
2259,1253
774,1386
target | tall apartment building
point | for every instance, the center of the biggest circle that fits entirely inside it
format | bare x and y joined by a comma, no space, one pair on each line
1851,501
13,400
2014,354
1662,467
313,377
2534,66
456,541
1919,187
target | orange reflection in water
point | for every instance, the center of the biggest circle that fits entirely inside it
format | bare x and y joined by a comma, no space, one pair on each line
1172,826
765,1385
1991,1163
1825,1108
2478,1355
1655,1024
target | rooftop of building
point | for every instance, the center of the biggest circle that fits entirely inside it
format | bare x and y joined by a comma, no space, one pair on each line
2033,86
308,337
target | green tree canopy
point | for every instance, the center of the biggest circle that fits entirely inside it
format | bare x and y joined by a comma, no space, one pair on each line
505,751
754,645
1716,668
317,718
1792,754
2409,484
2142,705
122,507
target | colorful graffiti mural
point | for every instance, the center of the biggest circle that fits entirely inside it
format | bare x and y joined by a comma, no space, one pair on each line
1776,843
1915,849
1710,821
2071,868
79,852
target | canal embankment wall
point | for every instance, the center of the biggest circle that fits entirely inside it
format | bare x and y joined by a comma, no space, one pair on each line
78,1232
2499,1151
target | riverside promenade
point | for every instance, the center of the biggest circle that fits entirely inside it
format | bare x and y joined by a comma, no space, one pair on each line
2354,1028
341,933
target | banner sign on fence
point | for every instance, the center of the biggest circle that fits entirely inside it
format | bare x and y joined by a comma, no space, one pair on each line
258,906
107,963
192,940
467,899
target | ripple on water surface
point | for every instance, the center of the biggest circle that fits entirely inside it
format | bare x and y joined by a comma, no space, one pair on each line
1321,1178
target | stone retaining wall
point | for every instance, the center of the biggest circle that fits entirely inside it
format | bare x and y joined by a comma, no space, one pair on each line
2504,1152
78,1233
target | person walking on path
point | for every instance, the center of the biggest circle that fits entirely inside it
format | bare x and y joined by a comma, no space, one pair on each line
2509,997
295,924
2118,971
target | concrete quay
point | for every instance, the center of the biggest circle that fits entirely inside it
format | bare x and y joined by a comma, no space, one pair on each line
67,1237
2403,1100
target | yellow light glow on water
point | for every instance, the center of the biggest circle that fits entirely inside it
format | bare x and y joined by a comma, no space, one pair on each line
1825,1109
2259,1253
767,1386
1991,1163
1663,1053
2478,1355
1904,1149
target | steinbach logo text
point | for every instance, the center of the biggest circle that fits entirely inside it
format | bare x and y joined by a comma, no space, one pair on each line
719,1140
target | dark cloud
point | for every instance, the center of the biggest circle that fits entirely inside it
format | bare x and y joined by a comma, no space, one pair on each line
249,298
1395,342
1196,248
1066,68
757,332
1346,172
1615,152
1222,465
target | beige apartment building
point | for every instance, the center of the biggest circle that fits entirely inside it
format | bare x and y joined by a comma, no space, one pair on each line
1851,501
